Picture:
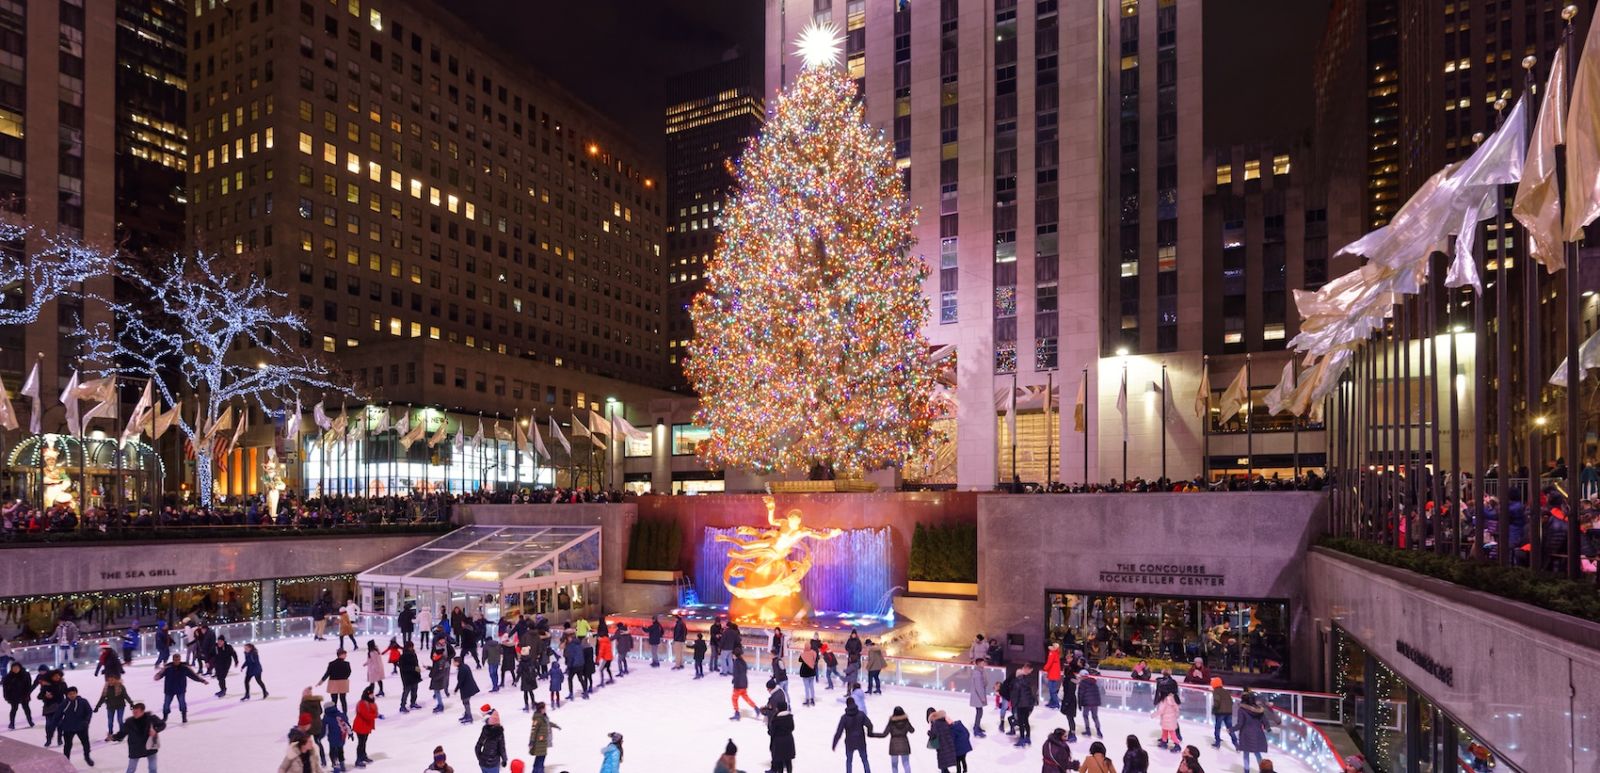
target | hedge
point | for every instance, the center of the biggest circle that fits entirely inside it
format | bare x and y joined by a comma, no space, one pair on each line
1154,664
944,553
1569,597
654,544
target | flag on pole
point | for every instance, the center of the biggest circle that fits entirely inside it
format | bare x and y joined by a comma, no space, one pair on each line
538,443
1583,140
461,435
403,426
477,438
1080,406
1278,398
1537,205
8,416
97,389
500,432
1122,403
438,436
291,424
598,443
1233,398
521,438
1202,395
164,421
627,430
1011,413
413,433
225,421
579,429
1498,161
320,417
1588,357
238,432
377,421
69,400
140,415
30,390
599,424
555,433
1169,407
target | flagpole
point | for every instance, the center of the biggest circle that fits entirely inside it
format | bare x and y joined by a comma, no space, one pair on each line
1086,425
1533,370
1433,410
1164,389
1455,423
116,425
1124,421
1249,427
1205,423
1294,418
1574,444
1012,426
1049,433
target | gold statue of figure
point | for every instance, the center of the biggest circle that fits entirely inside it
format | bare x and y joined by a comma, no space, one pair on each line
57,483
768,587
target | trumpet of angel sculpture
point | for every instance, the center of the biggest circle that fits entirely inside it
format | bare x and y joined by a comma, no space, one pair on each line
766,566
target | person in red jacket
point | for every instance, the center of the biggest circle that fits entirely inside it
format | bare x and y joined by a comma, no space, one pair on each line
367,717
1052,675
604,654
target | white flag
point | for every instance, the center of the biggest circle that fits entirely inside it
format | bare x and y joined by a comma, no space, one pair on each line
1122,403
291,424
521,436
538,443
477,439
140,415
402,426
412,434
555,433
1537,205
627,430
1588,357
579,429
238,431
320,417
98,389
8,416
1202,395
225,421
1080,406
1233,398
165,420
1278,398
598,424
438,436
69,400
1583,141
30,390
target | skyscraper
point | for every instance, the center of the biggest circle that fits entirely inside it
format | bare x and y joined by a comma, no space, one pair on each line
712,114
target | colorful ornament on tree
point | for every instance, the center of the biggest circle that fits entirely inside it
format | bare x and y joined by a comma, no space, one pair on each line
809,352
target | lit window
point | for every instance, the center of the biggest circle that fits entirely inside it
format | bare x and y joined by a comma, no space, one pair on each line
395,326
433,196
433,332
416,330
1130,7
1224,174
1130,268
305,143
328,344
330,153
1130,61
394,180
1233,338
453,202
1252,170
352,163
1272,332
374,171
1280,164
416,188
375,19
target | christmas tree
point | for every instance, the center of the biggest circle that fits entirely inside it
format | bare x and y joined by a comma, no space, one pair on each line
808,350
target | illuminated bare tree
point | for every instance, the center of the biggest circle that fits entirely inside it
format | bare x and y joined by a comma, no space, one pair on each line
210,326
45,267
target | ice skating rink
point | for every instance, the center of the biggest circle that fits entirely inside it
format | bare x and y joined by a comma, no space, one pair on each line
671,722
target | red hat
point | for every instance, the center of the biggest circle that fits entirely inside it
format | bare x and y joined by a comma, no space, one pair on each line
517,766
486,708
305,718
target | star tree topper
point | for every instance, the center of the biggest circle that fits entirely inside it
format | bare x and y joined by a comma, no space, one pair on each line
819,44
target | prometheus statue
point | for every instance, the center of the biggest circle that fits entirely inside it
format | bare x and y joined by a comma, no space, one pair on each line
765,569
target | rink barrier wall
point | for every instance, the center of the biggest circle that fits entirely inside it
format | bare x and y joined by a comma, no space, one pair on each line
86,650
1299,736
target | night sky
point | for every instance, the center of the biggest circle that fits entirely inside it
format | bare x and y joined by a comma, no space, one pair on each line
618,54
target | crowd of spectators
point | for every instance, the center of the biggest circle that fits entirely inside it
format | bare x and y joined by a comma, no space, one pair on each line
1310,481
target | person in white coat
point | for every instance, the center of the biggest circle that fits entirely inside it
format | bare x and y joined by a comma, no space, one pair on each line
424,624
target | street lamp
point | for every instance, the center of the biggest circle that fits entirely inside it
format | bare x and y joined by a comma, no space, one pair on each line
613,406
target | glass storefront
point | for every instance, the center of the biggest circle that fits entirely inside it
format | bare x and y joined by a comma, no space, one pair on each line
26,620
1237,636
1398,728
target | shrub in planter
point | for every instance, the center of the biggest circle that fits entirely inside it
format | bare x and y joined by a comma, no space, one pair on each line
944,554
654,544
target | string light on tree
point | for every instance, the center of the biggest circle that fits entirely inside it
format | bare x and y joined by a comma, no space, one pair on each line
809,353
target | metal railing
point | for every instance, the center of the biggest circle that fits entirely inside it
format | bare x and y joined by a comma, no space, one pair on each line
1301,712
86,650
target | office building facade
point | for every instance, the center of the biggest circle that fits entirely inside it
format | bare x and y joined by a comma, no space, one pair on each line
712,114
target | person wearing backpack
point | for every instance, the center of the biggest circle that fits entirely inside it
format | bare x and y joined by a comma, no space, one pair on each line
335,730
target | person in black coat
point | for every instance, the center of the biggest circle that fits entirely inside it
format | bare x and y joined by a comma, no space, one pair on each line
74,723
175,677
698,648
52,696
408,622
139,730
223,657
491,747
715,643
854,727
439,680
1024,696
780,729
466,687
252,670
14,687
337,675
653,633
680,638
410,678
731,640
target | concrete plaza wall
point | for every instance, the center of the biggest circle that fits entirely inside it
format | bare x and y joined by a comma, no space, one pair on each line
113,566
1246,545
1524,678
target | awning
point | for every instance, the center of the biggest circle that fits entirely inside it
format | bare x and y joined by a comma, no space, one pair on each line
495,559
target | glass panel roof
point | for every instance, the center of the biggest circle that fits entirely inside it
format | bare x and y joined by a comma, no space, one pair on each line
490,554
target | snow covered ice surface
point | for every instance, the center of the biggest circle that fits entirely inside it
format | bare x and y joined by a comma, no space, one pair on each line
670,722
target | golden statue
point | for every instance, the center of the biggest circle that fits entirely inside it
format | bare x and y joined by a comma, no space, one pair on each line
768,587
57,483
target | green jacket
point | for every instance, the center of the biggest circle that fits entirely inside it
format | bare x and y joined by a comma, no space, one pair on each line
1221,701
539,739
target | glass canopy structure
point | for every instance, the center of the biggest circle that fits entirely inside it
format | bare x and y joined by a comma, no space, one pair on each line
554,570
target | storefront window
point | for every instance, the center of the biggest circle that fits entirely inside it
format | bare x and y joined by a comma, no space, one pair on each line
637,447
687,437
1238,636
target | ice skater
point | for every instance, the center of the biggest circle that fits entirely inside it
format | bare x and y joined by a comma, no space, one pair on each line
466,687
252,670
